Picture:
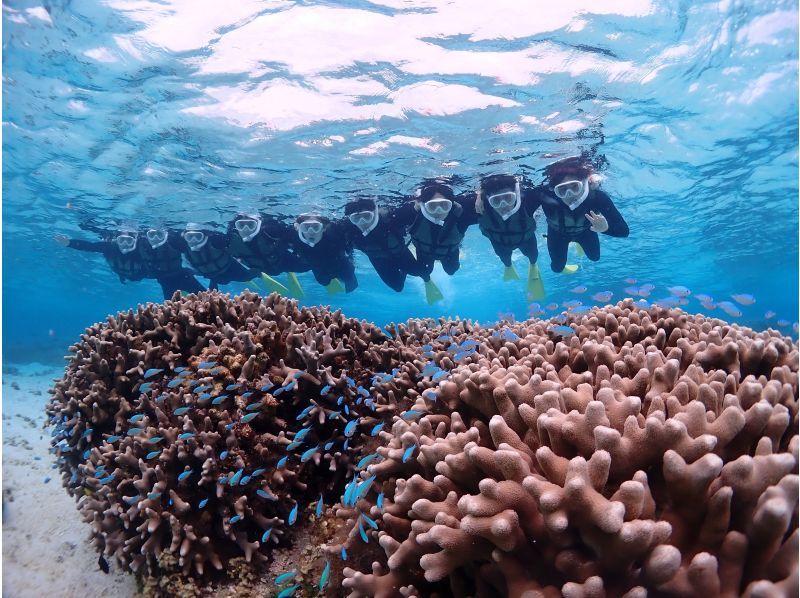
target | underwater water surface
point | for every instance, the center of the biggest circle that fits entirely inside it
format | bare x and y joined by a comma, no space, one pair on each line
193,110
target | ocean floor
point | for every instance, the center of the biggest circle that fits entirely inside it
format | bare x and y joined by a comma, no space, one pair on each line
46,550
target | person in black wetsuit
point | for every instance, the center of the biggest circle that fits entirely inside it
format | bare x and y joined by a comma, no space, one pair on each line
265,244
207,252
576,210
505,216
326,248
382,237
162,254
437,224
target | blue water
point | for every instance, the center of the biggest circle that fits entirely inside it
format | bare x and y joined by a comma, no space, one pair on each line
189,110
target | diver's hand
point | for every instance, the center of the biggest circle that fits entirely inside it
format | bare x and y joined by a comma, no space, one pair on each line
478,200
599,222
62,240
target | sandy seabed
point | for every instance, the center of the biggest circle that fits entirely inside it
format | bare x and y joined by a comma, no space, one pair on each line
46,549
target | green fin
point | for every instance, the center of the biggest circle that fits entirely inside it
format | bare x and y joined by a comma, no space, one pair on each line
334,286
578,249
295,288
570,269
510,274
273,285
432,292
535,284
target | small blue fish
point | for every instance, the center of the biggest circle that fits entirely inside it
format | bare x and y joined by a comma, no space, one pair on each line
411,414
219,399
253,406
181,410
194,383
439,376
469,343
87,432
236,477
442,338
362,489
350,428
371,522
204,397
247,395
282,461
408,452
289,591
308,454
320,504
334,415
222,480
267,386
427,347
186,435
292,515
235,518
201,388
146,387
579,289
329,445
510,336
462,355
679,291
152,372
152,454
344,553
361,532
430,370
565,331
202,503
153,495
362,391
346,410
178,369
265,494
86,453
366,460
346,444
249,417
326,573
223,455
340,400
293,445
184,374
258,472
603,296
107,479
325,389
135,431
174,383
231,387
113,438
301,434
155,439
379,502
245,480
430,394
230,426
161,398
266,534
376,429
350,381
217,370
184,475
280,390
291,385
136,418
205,365
304,412
283,577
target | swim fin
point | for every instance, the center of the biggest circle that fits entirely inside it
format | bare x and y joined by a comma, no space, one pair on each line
334,286
578,249
432,292
535,284
294,286
570,269
273,285
510,274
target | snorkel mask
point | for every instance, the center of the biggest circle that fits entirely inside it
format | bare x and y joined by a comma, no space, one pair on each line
506,203
126,240
248,226
572,192
310,229
194,236
156,237
365,221
437,209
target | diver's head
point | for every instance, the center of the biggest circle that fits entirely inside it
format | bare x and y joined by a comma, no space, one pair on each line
248,225
310,228
363,214
126,238
569,180
436,202
195,236
502,193
157,236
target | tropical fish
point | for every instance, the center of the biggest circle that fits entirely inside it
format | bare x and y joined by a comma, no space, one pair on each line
326,573
439,375
113,438
470,343
430,370
329,445
635,291
325,390
87,432
411,414
679,291
204,397
362,391
146,387
184,475
131,500
266,534
561,330
174,383
247,395
350,381
223,455
647,287
704,298
266,387
371,522
320,504
153,495
708,305
135,431
285,576
551,306
244,481
729,308
308,454
744,299
289,591
282,461
290,386
178,369
202,503
249,417
782,323
258,472
181,410
235,518
334,414
427,347
344,553
152,372
155,439
408,452
253,406
429,394
136,418
217,370
231,387
219,399
579,289
301,434
264,494
630,281
376,429
572,304
366,460
767,316
304,412
235,478
292,515
350,428
379,501
361,531
161,398
107,479
603,296
463,355
205,365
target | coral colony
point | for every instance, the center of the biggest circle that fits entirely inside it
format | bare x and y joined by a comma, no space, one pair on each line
622,452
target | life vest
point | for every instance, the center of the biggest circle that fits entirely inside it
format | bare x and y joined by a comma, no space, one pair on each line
434,241
520,227
209,260
163,260
128,266
262,252
382,243
564,220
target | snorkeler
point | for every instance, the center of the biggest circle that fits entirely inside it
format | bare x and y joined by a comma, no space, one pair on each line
505,216
378,234
325,247
207,252
162,254
576,210
266,244
133,261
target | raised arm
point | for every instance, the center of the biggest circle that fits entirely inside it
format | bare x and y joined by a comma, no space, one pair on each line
617,227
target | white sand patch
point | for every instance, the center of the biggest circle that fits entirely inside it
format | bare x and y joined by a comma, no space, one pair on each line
46,549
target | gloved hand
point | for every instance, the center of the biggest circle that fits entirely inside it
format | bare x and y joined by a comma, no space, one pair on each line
599,222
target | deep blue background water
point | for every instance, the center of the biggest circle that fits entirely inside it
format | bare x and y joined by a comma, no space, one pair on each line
185,110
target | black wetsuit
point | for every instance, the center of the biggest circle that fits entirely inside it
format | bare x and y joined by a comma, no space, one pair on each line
564,225
128,266
518,232
273,250
387,250
332,257
164,262
214,261
434,242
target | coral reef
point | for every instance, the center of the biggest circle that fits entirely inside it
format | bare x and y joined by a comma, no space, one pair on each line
642,452
203,426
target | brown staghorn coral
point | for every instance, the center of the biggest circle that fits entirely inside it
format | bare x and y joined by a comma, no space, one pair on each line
651,452
201,426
